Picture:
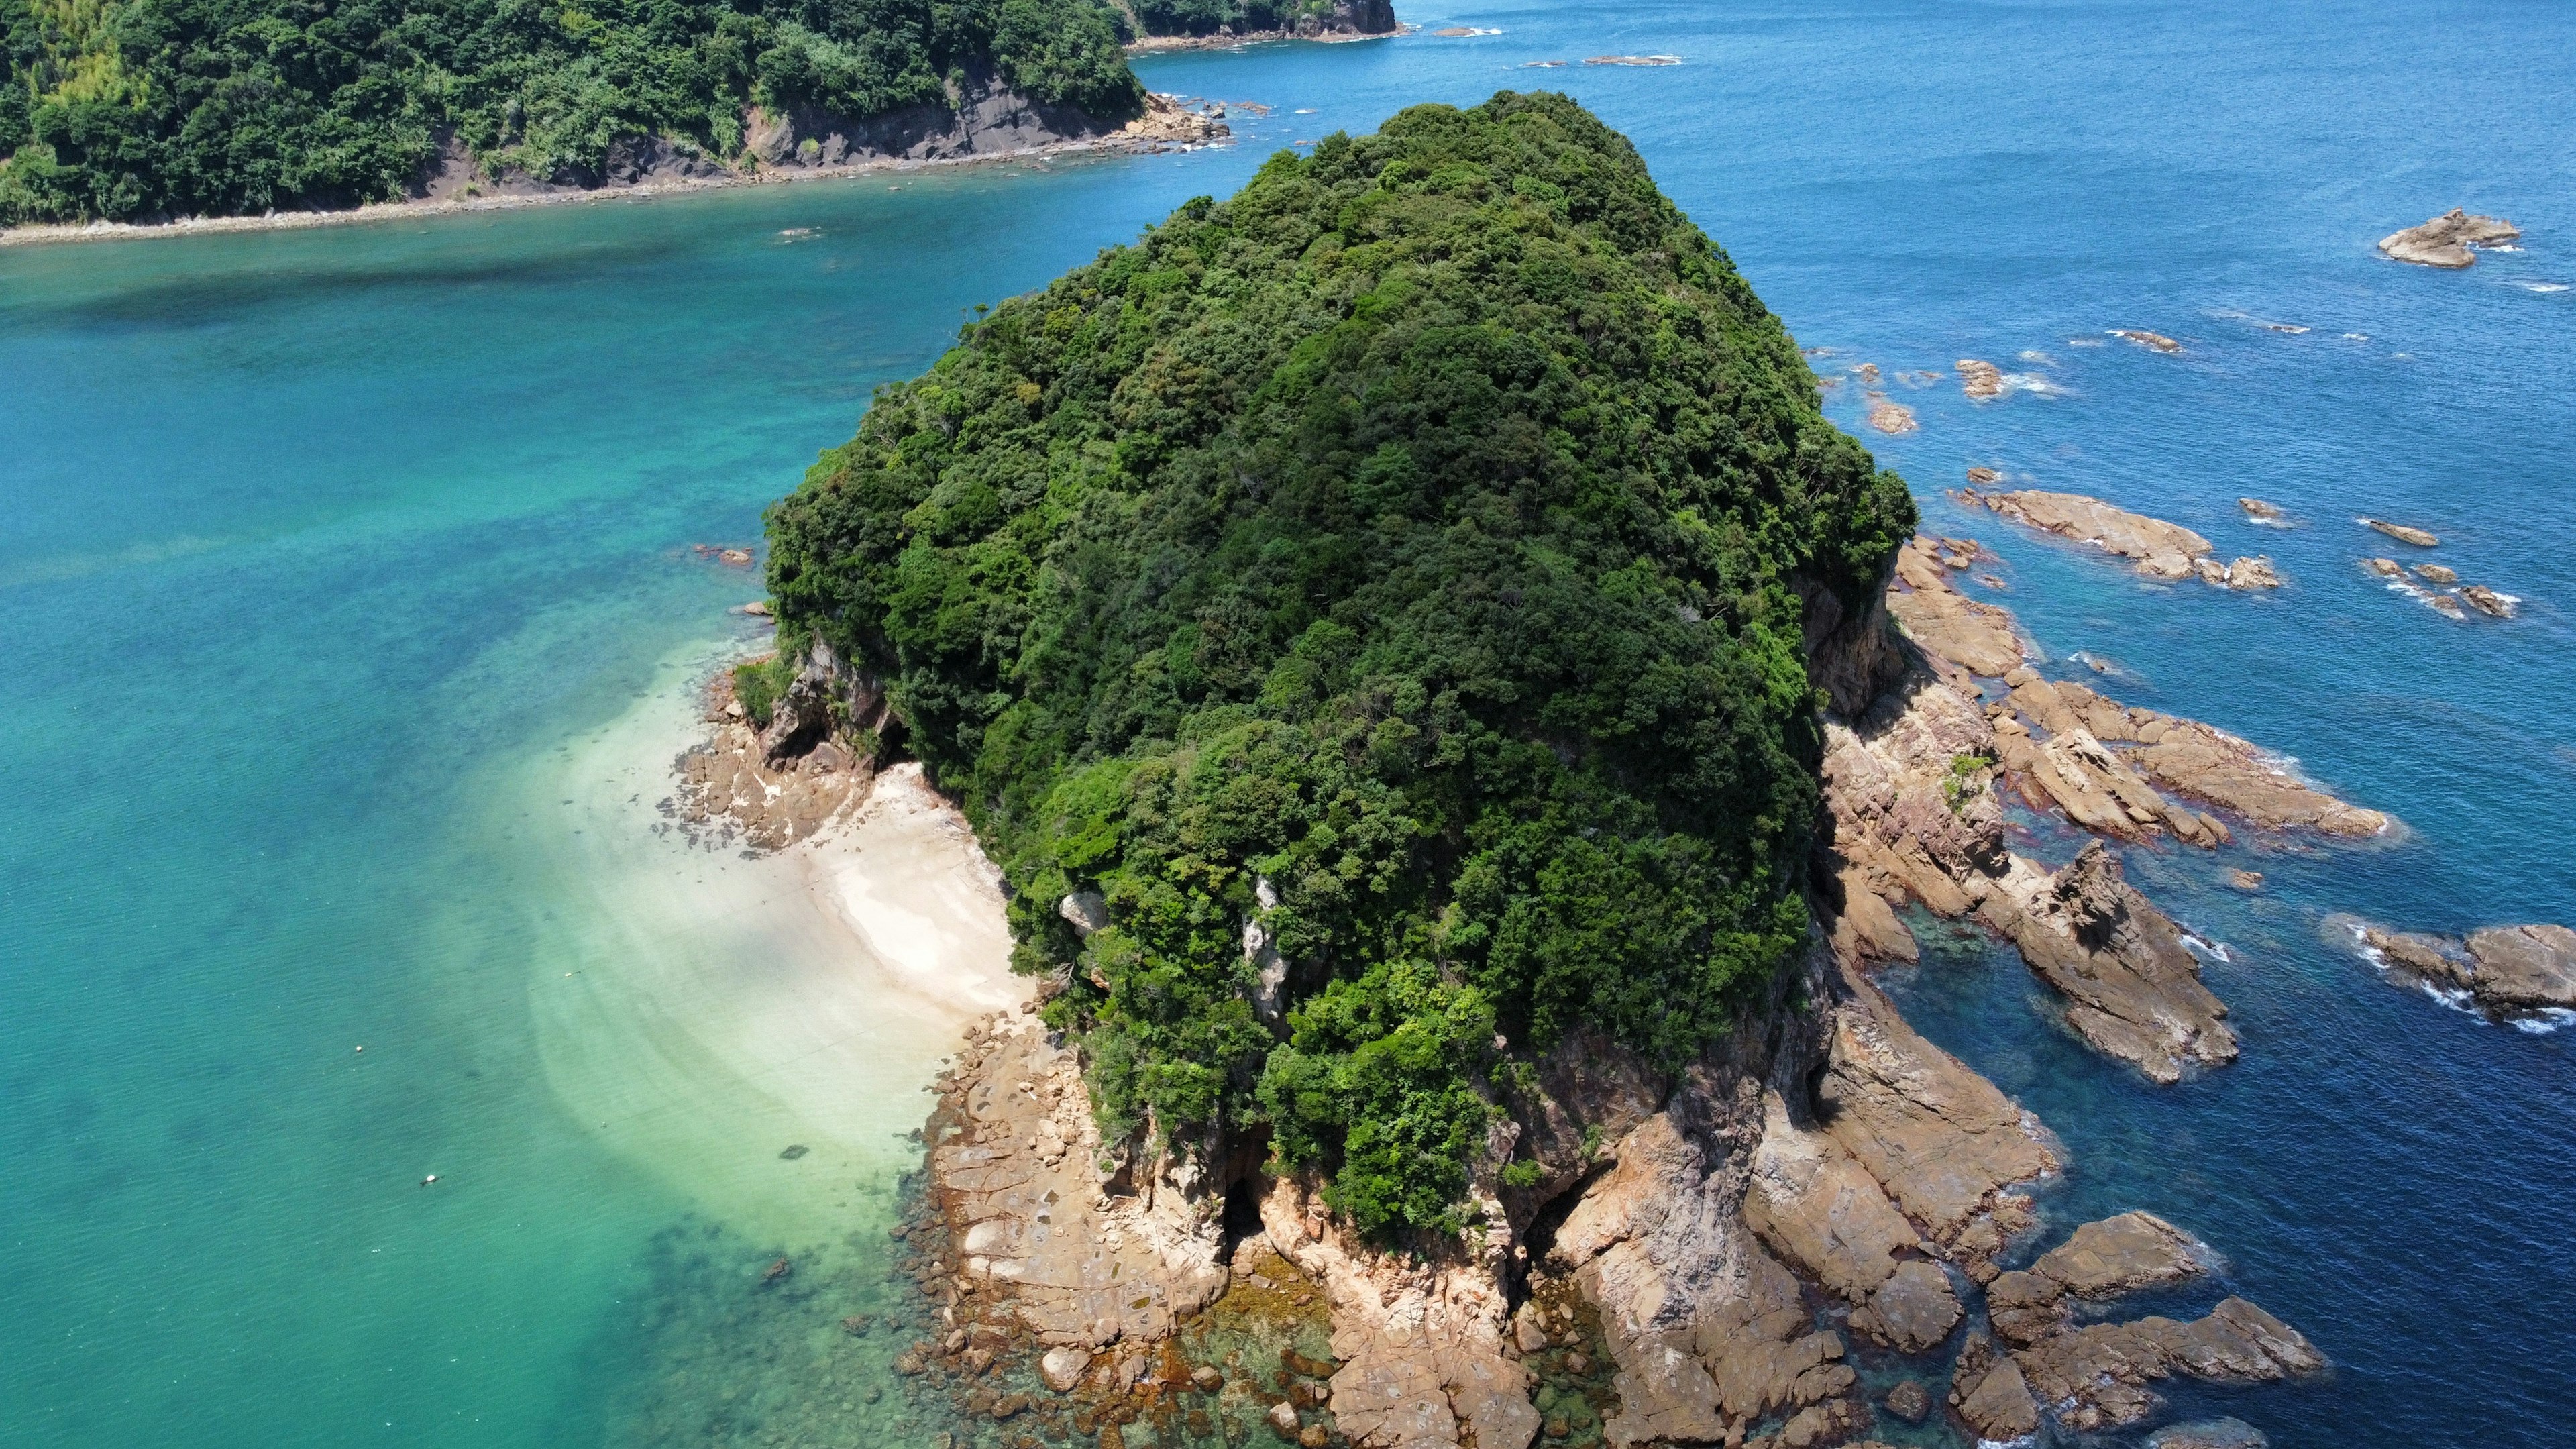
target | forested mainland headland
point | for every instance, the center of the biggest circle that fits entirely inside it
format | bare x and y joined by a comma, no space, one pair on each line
1364,620
145,109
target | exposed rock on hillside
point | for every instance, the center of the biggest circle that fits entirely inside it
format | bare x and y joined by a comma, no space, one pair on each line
2163,550
2446,240
1088,1259
767,788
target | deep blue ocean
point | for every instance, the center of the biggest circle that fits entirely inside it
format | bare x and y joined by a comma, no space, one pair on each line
330,557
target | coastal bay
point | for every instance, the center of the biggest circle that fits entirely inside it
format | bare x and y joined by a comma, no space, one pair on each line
322,538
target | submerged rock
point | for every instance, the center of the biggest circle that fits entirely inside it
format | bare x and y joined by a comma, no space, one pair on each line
2257,508
2153,341
2212,1434
2447,240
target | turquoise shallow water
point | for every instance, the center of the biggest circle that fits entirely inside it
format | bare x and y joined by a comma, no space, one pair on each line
332,557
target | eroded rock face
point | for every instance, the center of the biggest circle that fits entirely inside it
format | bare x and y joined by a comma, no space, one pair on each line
1976,637
1979,379
2447,240
2133,989
1943,1142
732,788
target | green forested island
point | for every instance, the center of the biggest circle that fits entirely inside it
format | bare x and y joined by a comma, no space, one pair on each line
123,109
1378,596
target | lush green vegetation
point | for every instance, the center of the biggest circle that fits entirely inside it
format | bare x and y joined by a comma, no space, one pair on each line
125,108
758,685
1206,17
1400,556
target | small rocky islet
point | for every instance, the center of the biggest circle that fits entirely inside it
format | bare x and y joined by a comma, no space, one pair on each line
2450,241
1709,1246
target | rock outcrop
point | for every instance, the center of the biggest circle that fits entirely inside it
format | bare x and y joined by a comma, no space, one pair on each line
2403,533
2448,240
1084,1258
2162,550
2506,968
2152,341
981,117
2132,988
1427,1352
765,789
1911,781
1980,379
1824,1143
2488,602
2095,1377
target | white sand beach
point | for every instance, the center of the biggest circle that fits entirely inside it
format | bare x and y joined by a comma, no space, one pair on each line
704,1012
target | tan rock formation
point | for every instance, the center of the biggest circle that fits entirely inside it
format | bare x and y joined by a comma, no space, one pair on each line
738,787
1980,379
2511,968
2152,341
2258,509
2133,989
2095,1377
1425,1348
1890,417
2447,240
1014,1162
2403,533
2123,1254
1976,637
2488,602
2162,550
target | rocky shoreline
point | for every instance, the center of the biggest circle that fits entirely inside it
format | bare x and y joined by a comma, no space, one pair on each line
653,169
2163,550
1704,1252
2511,972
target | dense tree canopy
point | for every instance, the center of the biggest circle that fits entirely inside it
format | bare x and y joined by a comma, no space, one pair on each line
124,108
1397,557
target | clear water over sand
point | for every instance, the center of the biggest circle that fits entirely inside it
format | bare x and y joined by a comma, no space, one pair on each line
337,561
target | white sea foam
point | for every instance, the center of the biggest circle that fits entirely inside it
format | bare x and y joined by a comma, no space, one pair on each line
2542,286
2356,337
2033,354
2214,949
2550,1019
